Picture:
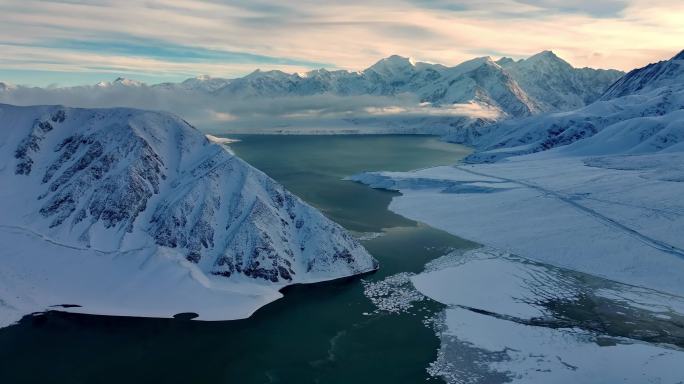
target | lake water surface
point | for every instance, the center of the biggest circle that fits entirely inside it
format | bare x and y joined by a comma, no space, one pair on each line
322,333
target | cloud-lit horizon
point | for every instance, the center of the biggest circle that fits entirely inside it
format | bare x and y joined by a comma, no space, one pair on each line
71,42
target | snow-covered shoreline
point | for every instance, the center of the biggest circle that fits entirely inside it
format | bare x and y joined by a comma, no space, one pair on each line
621,224
509,319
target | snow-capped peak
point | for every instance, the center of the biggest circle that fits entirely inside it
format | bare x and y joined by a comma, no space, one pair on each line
393,61
505,61
128,82
120,81
315,73
545,54
393,66
473,64
547,60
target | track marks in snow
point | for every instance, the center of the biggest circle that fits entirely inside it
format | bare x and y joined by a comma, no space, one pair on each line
572,201
40,236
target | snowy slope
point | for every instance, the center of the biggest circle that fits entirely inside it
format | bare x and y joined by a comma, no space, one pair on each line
615,220
131,184
661,74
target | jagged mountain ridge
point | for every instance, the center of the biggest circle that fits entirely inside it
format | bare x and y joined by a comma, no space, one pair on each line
116,180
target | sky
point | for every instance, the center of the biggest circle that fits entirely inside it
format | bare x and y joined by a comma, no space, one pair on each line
70,42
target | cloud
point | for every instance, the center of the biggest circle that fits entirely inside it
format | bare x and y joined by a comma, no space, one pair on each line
216,113
167,39
471,110
597,8
179,53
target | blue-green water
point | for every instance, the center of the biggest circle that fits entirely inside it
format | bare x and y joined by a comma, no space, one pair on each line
316,334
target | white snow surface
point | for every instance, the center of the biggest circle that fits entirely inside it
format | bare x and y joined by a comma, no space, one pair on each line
488,282
511,319
221,140
620,222
489,329
529,354
130,212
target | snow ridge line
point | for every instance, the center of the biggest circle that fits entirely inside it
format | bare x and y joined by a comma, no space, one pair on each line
649,241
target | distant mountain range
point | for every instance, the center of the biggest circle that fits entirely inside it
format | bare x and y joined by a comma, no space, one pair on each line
542,83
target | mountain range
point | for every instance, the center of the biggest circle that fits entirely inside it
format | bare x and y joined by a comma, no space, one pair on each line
543,82
507,88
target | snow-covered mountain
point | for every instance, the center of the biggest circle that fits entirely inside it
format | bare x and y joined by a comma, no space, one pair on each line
128,183
555,84
645,104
